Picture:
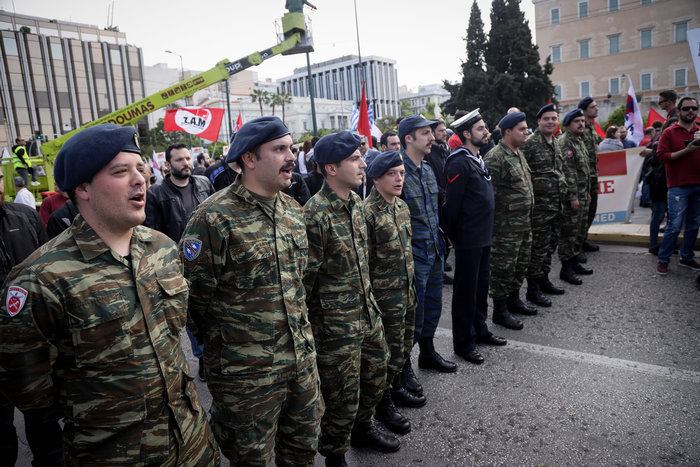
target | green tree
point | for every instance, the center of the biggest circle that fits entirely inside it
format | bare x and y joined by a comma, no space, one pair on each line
429,111
406,108
616,117
261,97
385,123
281,99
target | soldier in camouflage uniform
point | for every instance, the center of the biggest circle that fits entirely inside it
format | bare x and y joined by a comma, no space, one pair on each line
543,155
512,235
391,270
591,139
92,321
245,250
347,325
577,176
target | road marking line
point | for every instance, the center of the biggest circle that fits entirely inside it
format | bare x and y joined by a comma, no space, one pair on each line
656,370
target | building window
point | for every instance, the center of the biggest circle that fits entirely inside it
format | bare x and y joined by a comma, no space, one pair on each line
614,44
585,89
646,2
614,86
681,31
613,5
556,53
583,9
584,48
646,81
680,77
557,92
554,16
56,51
10,46
647,38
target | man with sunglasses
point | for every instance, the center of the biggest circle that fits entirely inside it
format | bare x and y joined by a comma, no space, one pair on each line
679,151
667,102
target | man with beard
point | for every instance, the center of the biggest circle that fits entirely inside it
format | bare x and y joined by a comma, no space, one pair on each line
245,252
578,194
390,141
591,140
346,320
512,239
469,217
543,155
170,203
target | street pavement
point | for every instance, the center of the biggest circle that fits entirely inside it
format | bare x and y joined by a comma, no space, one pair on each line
609,375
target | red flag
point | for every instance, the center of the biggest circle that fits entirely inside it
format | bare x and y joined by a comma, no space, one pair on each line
200,121
363,125
598,129
239,123
654,116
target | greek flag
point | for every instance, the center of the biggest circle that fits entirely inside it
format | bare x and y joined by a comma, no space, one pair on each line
370,112
354,117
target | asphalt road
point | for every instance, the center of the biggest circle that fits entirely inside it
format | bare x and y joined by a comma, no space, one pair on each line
609,375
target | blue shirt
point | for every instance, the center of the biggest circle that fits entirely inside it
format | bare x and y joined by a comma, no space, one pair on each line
420,192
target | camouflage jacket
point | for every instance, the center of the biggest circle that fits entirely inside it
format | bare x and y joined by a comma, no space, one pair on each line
337,279
546,165
390,257
420,192
591,140
97,342
576,173
247,298
512,189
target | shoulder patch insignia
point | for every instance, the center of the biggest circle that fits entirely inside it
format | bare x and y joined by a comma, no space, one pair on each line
16,297
569,153
191,247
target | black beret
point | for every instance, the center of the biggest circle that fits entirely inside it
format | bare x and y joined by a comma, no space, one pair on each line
89,150
546,108
336,147
585,102
571,115
408,124
510,120
254,133
383,162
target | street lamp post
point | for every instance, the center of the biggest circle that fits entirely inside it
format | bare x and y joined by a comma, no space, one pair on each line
182,78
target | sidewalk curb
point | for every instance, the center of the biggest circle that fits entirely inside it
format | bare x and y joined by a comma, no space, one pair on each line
626,234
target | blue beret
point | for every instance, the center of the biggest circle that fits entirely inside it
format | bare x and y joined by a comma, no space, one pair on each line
585,102
546,108
409,124
383,162
510,120
336,147
370,155
254,133
571,115
89,150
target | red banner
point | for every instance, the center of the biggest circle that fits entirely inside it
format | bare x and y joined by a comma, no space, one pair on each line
363,127
200,121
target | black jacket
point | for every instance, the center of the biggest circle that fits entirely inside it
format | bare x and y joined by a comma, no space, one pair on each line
165,210
61,219
21,232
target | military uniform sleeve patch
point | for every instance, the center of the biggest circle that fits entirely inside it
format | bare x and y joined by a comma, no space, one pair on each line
569,153
16,298
191,247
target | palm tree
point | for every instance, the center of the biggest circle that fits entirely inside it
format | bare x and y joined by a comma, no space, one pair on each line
261,97
284,99
274,101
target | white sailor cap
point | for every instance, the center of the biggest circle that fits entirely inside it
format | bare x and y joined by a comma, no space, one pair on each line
470,119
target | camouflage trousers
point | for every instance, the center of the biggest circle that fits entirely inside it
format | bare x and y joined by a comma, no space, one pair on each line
398,321
510,257
282,410
545,236
593,205
201,451
429,282
352,367
574,226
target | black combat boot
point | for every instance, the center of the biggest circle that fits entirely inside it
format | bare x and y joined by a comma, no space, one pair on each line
336,460
429,359
567,273
387,413
366,435
581,258
588,246
547,287
200,372
502,317
534,294
516,306
403,397
409,380
580,270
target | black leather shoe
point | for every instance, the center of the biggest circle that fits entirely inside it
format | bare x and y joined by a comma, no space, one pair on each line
402,397
409,380
366,435
567,273
387,413
516,306
534,294
547,287
491,340
588,246
336,461
472,357
448,268
502,317
654,251
579,269
200,372
429,359
448,280
581,258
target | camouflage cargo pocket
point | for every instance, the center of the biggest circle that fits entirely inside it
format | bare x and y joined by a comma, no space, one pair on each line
247,349
251,265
